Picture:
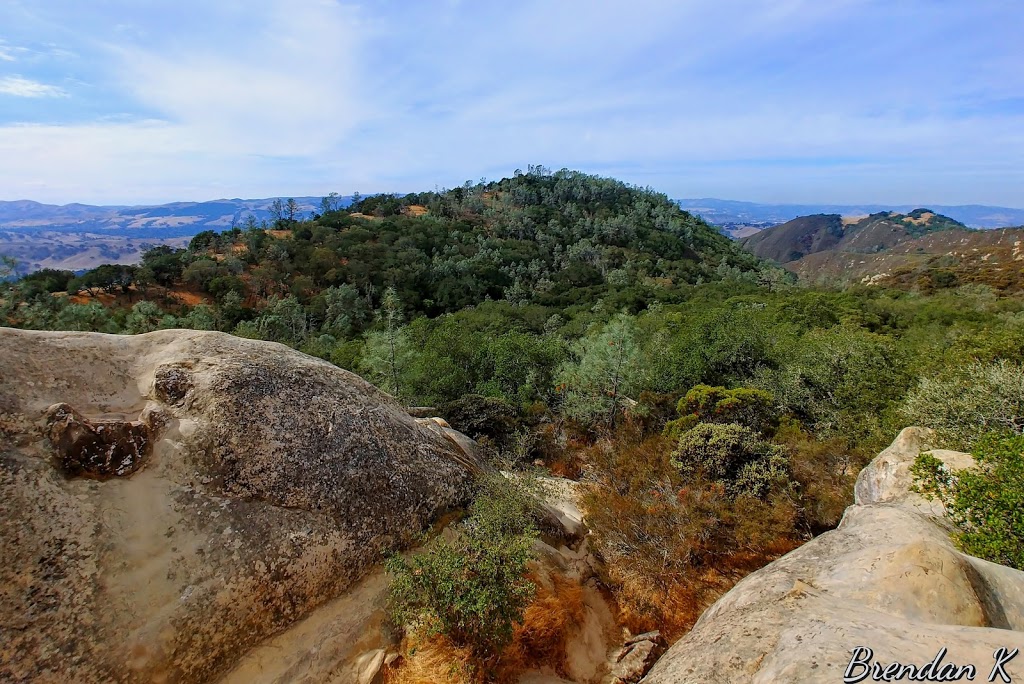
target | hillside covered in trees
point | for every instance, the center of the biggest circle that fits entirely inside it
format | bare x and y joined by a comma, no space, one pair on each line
717,411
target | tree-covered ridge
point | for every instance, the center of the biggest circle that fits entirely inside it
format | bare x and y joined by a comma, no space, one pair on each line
559,240
549,238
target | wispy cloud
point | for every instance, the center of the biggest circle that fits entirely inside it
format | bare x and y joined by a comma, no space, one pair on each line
23,87
785,100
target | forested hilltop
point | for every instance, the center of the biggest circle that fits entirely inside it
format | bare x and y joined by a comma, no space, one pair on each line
717,411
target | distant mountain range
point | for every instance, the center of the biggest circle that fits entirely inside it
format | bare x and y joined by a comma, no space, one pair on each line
177,219
735,216
81,236
922,250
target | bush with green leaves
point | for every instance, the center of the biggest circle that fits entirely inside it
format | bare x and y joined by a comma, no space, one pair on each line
471,587
752,408
732,455
986,502
964,403
840,381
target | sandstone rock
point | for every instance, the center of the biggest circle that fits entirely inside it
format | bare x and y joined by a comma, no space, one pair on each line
422,411
636,659
654,637
466,446
371,665
887,478
587,650
270,482
888,578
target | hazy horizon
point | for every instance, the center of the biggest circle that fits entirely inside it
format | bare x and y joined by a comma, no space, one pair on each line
795,102
349,194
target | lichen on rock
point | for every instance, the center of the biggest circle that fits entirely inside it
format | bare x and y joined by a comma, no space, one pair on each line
221,490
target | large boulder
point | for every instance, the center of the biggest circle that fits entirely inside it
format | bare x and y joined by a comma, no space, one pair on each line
887,579
169,500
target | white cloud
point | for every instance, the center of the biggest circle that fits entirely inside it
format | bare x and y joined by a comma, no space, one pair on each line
778,100
118,162
23,87
5,55
288,89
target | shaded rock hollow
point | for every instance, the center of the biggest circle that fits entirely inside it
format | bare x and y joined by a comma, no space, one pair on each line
262,483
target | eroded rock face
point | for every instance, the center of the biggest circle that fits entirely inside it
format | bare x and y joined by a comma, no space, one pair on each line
636,657
888,578
211,491
100,449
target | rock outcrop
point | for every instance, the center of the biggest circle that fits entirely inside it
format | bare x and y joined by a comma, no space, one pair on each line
887,579
169,500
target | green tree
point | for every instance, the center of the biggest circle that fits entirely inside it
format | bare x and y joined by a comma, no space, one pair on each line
752,408
966,402
201,317
330,203
392,316
144,317
7,266
164,262
91,317
385,361
284,320
606,371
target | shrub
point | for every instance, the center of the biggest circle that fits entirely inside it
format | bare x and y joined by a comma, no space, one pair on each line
478,416
670,548
962,404
752,408
557,611
732,455
472,587
824,472
986,502
606,371
839,381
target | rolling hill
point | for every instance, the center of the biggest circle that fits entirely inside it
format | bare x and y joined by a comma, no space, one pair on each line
81,236
921,249
740,219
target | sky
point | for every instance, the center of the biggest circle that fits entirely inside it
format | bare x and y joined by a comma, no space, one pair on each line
814,101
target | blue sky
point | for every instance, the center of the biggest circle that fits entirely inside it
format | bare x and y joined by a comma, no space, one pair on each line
889,101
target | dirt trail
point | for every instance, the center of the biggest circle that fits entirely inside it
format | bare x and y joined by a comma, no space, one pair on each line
324,647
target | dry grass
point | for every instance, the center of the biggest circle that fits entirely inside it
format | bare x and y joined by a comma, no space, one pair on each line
671,548
540,641
548,624
920,221
433,660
